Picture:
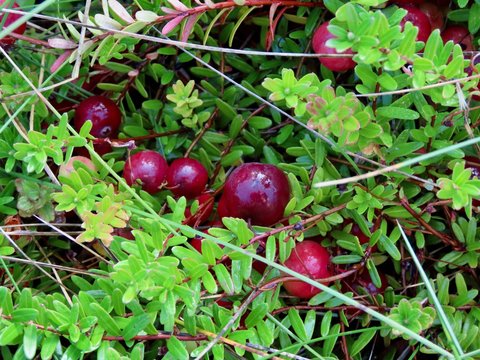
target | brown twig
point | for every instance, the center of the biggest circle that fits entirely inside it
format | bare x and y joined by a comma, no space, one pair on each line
207,126
455,244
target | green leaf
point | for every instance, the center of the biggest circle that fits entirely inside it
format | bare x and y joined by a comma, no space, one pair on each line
10,334
176,348
297,324
474,18
326,323
24,315
30,341
390,247
393,112
362,341
256,315
387,82
224,279
136,324
49,344
105,320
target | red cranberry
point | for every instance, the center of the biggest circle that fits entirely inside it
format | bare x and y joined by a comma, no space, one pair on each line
204,210
187,177
434,13
311,259
197,241
418,19
104,114
256,192
124,232
222,210
10,19
147,166
459,35
319,45
259,266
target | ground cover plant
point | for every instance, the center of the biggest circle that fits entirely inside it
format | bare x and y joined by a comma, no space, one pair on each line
246,179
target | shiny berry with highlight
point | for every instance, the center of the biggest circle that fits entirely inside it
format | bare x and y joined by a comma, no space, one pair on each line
311,259
187,177
102,112
255,192
418,18
148,167
319,45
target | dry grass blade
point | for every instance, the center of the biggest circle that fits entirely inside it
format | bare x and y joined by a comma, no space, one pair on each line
33,262
50,265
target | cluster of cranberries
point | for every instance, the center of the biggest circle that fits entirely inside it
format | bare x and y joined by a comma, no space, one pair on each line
426,16
255,192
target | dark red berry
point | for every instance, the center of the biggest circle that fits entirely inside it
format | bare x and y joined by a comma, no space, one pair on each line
10,19
204,210
310,259
124,232
434,13
418,19
222,210
147,166
259,266
319,45
187,177
257,193
104,114
459,35
197,241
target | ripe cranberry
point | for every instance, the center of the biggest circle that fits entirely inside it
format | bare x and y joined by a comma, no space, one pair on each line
222,210
68,168
459,35
311,259
319,45
256,192
225,303
187,177
434,13
10,19
259,266
104,114
197,241
418,19
204,210
147,166
124,232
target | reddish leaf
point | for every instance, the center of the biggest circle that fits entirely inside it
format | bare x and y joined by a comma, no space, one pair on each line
171,24
189,26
